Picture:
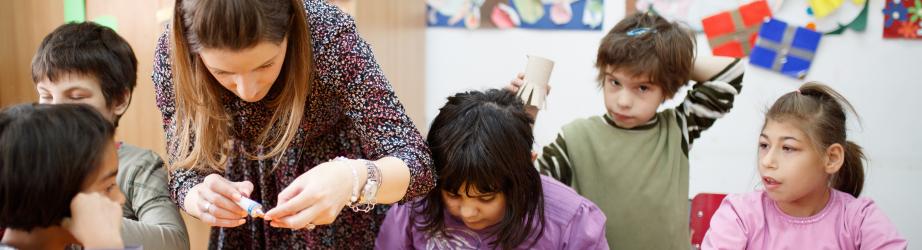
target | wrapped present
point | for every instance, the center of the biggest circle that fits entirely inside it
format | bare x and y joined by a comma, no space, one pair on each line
785,48
733,33
903,19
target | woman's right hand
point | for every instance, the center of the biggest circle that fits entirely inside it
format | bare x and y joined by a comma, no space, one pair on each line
214,201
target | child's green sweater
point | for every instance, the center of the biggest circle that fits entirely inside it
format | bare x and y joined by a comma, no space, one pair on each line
639,176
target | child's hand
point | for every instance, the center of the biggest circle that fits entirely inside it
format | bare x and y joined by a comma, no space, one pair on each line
514,87
95,221
516,83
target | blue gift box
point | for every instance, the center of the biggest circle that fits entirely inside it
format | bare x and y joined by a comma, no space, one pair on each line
785,48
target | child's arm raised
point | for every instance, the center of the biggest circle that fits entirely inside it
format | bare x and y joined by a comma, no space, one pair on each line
707,67
719,81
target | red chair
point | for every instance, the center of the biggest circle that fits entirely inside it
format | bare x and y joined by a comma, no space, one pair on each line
703,207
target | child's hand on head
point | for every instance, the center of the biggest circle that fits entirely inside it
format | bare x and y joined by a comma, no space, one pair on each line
95,221
517,84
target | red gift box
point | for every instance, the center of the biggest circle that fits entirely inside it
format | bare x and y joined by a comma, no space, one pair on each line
733,33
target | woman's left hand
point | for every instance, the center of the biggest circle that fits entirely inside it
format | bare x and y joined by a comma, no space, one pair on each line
316,197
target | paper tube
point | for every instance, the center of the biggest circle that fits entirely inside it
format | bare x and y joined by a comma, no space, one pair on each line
537,74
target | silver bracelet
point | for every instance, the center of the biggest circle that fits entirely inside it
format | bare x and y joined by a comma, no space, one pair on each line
370,190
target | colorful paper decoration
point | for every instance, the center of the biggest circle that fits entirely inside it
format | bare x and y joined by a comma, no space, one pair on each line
902,19
526,14
691,12
732,33
859,23
821,8
784,48
74,11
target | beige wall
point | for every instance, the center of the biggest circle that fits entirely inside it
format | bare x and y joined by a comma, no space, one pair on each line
24,23
395,28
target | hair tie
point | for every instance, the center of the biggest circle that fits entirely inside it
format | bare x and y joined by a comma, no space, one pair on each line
639,31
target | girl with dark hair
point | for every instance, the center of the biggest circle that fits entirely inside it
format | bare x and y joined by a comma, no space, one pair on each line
813,176
488,194
257,98
57,178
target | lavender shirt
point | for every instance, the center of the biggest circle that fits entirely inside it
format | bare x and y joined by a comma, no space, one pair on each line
753,221
571,222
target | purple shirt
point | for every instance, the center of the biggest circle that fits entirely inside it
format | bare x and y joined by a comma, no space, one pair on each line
571,222
754,221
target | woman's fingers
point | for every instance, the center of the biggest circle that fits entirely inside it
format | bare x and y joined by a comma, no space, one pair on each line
288,193
222,193
211,220
210,198
315,215
244,187
218,212
288,206
298,220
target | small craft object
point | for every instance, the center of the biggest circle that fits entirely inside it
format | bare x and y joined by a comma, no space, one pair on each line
903,19
733,33
784,48
537,74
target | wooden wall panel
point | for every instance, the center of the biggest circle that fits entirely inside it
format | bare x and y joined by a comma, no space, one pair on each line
24,23
396,30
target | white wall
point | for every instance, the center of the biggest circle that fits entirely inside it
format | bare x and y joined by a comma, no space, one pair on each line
882,78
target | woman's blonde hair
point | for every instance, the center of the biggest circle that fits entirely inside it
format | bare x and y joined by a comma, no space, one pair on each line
203,126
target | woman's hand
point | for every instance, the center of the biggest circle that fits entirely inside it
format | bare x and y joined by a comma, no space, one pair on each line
317,196
214,201
95,221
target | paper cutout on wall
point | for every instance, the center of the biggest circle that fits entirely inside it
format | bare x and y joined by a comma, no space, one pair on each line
859,23
902,19
733,33
785,48
74,11
528,14
691,12
850,14
821,8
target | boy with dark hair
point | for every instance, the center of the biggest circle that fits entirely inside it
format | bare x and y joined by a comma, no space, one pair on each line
91,64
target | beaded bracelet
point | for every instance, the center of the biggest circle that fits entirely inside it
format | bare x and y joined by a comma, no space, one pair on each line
356,188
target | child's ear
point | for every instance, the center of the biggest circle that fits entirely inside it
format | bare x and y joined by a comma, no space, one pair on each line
534,156
121,105
835,158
